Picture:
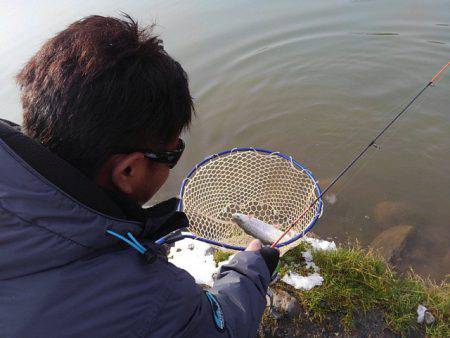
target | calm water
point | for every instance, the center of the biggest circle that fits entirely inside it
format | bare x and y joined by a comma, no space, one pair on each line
312,79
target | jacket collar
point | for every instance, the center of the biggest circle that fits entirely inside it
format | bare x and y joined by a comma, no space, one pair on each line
157,221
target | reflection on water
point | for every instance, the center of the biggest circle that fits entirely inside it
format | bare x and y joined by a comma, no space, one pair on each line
385,33
312,79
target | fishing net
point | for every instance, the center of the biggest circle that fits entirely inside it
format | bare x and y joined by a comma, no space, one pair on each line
267,185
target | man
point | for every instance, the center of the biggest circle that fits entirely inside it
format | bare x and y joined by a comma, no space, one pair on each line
103,108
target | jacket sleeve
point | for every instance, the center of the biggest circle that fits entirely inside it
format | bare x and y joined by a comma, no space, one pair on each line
233,307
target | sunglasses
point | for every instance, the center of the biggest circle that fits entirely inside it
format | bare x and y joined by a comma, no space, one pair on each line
169,157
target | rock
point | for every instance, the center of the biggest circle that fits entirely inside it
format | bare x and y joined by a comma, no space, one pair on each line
210,251
424,314
191,246
331,198
421,313
391,242
284,302
275,313
429,318
391,212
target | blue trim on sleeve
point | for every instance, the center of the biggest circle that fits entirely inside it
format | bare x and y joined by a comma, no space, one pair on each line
217,312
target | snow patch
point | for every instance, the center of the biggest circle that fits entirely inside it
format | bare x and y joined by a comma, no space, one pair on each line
302,282
318,244
307,255
196,258
308,282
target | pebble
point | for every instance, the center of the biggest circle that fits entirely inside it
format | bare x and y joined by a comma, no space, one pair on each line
283,301
429,318
424,314
210,251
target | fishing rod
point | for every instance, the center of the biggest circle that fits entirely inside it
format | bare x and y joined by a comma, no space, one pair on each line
365,149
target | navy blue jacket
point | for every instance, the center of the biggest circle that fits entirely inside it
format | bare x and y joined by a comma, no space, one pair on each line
62,275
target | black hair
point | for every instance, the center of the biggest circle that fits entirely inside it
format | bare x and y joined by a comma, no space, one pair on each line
103,86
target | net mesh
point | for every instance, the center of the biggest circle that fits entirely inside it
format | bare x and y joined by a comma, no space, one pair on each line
266,186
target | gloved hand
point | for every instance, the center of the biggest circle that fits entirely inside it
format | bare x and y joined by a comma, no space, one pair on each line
270,255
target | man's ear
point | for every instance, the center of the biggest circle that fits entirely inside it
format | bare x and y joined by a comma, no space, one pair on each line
124,172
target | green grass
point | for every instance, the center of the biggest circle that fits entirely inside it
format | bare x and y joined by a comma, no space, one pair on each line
220,256
357,281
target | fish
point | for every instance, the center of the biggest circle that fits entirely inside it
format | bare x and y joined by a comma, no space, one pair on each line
256,228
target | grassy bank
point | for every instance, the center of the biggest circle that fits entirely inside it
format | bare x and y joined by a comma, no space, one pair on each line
358,282
360,295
